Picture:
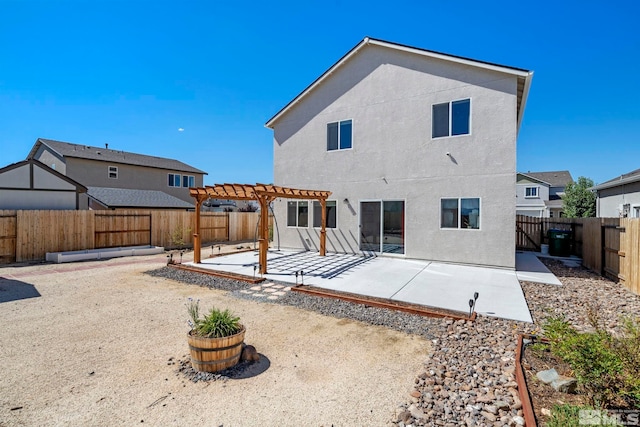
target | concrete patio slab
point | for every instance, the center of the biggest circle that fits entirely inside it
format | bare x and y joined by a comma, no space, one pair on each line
427,283
530,269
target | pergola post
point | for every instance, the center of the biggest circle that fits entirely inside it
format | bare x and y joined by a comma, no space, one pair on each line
323,230
264,233
197,244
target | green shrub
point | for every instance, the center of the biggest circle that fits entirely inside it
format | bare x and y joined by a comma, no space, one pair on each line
606,367
215,324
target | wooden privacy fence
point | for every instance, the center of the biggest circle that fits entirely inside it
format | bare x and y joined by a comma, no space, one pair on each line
29,235
608,246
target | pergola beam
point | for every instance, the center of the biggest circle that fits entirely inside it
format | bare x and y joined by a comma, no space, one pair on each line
263,194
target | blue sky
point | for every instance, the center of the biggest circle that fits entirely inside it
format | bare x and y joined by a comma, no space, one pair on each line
131,73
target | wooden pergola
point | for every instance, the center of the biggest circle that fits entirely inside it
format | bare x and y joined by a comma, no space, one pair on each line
263,194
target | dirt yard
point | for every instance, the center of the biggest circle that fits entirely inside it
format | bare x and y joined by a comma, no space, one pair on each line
90,344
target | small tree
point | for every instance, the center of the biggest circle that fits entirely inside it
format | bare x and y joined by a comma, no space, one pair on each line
579,201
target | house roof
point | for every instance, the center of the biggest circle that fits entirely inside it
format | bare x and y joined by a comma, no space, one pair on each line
553,178
626,178
524,76
79,187
67,149
127,198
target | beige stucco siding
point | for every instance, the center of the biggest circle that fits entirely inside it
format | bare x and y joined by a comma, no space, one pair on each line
389,96
91,173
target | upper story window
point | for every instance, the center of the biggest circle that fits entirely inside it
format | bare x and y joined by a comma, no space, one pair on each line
298,213
113,172
460,213
331,214
451,118
188,181
174,180
531,192
339,135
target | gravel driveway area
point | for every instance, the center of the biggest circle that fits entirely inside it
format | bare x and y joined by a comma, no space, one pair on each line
99,343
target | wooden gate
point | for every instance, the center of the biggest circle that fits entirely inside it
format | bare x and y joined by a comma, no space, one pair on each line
8,222
610,234
532,232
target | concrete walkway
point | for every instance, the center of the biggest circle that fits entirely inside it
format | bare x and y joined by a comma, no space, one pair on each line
426,283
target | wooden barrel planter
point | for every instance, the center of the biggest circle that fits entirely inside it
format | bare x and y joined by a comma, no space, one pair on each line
215,354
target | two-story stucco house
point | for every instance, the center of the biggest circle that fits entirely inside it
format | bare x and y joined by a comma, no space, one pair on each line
107,173
418,149
539,194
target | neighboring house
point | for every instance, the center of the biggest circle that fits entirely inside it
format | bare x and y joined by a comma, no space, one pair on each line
539,194
30,184
418,149
108,168
619,197
124,198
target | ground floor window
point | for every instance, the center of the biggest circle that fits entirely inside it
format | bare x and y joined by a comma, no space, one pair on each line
331,210
460,213
298,213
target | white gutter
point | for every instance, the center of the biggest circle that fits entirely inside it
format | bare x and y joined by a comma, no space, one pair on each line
523,101
621,181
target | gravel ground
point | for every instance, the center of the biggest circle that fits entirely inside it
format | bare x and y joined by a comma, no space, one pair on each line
464,377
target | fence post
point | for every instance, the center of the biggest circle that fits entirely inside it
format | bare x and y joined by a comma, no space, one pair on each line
603,246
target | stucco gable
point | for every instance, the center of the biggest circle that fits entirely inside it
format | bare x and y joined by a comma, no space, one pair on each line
523,76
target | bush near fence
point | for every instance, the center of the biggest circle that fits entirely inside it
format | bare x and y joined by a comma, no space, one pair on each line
28,235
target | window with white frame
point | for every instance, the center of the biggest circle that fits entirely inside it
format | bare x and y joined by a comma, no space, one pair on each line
331,208
174,180
113,172
451,118
188,181
339,135
297,213
531,192
460,213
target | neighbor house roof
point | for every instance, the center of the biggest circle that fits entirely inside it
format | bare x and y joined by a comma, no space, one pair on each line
627,178
553,178
524,76
127,198
79,187
104,154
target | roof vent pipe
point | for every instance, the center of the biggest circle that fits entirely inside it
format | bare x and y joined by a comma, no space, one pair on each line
106,145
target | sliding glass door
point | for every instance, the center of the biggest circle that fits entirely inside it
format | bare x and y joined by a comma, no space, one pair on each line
382,226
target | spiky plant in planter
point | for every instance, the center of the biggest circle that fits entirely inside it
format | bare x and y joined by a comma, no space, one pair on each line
215,339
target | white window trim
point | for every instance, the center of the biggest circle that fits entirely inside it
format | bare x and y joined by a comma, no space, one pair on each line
313,215
632,210
111,169
459,213
188,178
174,180
338,122
537,196
309,214
451,121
